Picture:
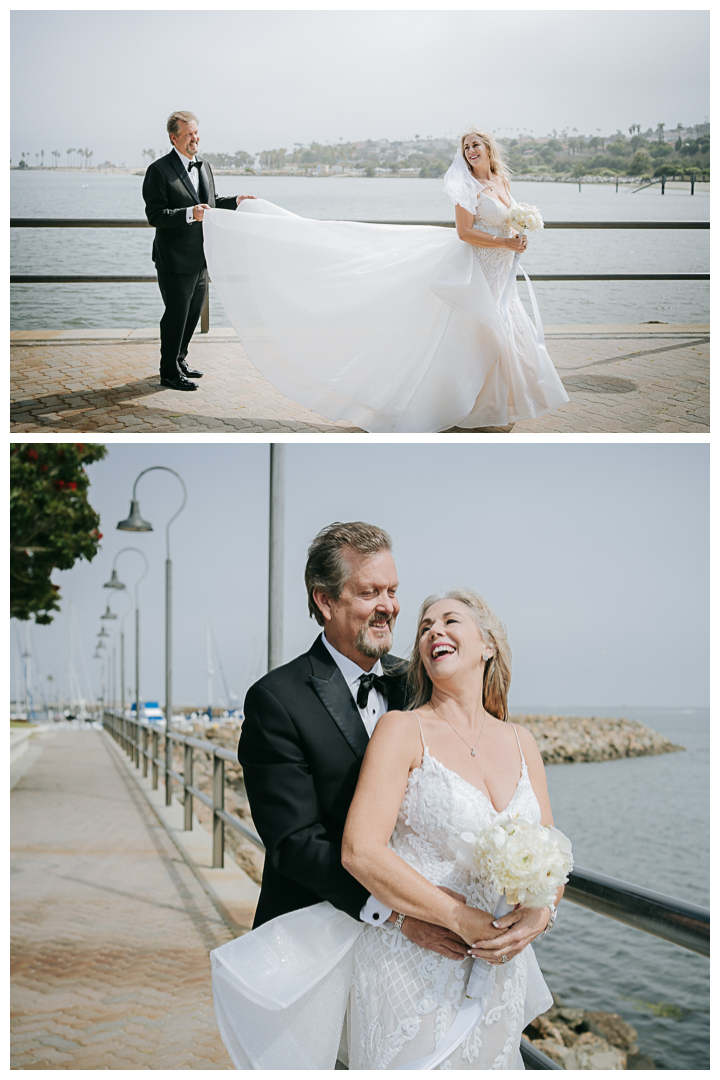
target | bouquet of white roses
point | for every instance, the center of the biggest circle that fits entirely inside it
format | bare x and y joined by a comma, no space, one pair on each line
525,218
521,859
524,860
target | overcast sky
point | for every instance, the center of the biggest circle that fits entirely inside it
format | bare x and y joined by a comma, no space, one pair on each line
107,80
595,557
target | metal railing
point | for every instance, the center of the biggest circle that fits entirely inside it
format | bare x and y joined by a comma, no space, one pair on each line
676,921
141,223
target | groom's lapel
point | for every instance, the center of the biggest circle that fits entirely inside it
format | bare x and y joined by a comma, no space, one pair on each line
205,185
394,671
183,174
330,686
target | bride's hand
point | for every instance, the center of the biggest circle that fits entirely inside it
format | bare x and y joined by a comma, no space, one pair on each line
516,932
475,927
517,243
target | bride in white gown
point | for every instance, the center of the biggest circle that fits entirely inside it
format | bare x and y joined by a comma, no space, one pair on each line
395,328
428,776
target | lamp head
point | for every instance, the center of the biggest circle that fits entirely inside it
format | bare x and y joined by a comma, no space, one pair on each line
135,523
114,582
108,614
103,632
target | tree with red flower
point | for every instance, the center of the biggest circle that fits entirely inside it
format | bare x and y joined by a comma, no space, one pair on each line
51,521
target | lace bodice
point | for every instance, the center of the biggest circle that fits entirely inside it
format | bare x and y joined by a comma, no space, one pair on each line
438,806
491,215
404,997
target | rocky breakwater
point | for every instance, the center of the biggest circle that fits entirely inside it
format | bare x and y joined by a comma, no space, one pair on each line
579,1039
566,739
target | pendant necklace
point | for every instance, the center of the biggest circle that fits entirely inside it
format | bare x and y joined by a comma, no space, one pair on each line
470,748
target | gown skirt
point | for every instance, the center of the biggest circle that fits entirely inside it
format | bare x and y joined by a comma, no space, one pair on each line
395,328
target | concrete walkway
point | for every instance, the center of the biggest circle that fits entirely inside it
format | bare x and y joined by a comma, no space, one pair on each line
639,378
110,928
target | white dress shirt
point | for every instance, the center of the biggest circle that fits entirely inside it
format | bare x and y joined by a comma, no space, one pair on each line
373,911
195,180
351,672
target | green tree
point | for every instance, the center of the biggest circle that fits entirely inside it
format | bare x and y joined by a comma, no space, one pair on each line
51,521
641,164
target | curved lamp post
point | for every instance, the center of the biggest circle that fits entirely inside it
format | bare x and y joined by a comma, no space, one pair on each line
112,692
115,583
136,523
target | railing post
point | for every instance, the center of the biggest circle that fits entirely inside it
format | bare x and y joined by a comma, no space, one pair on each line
692,183
155,750
144,751
137,744
218,804
205,314
168,766
187,782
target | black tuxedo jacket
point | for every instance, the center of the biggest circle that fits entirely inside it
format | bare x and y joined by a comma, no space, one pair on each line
301,748
168,191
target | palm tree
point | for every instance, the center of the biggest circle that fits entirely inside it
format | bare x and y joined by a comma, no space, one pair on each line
69,152
661,128
56,155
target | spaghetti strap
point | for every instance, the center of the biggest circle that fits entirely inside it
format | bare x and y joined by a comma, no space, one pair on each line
422,733
522,756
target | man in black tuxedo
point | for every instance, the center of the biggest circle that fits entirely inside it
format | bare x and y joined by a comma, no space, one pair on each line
177,189
307,725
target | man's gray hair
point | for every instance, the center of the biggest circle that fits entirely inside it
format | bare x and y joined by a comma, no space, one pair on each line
176,119
327,568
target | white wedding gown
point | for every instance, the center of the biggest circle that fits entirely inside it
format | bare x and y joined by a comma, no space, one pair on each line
395,328
281,992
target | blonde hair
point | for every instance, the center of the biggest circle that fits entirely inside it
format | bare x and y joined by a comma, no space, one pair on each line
176,119
498,165
498,669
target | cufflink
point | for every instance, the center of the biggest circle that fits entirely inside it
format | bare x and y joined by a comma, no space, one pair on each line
376,915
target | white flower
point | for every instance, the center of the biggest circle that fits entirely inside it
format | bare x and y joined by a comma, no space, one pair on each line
525,218
520,858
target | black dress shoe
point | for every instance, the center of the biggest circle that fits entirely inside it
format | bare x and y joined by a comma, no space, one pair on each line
179,382
189,373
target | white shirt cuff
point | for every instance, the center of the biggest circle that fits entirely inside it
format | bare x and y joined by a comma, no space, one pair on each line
189,215
374,912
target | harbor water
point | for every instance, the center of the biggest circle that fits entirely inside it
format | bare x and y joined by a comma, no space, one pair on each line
646,821
69,194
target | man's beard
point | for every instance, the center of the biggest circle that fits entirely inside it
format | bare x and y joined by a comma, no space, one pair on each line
374,649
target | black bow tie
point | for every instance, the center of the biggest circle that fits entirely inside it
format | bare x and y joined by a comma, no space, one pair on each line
195,165
366,684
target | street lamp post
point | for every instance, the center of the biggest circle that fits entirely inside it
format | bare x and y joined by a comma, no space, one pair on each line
276,555
115,583
135,523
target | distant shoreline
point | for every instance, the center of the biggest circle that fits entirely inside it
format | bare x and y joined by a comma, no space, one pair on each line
139,170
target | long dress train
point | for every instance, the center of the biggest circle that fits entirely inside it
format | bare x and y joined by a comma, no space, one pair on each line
281,992
395,328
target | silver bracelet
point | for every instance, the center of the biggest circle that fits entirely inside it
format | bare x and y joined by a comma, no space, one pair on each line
399,921
550,922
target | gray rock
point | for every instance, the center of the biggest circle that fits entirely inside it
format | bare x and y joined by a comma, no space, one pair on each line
614,1029
592,1052
640,1061
572,1017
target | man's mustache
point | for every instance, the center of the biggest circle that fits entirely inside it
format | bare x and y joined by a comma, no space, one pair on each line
381,620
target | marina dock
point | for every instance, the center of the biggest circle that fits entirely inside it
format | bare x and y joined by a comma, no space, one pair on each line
650,377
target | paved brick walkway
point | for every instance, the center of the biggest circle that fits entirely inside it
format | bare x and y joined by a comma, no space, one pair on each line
110,929
619,379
